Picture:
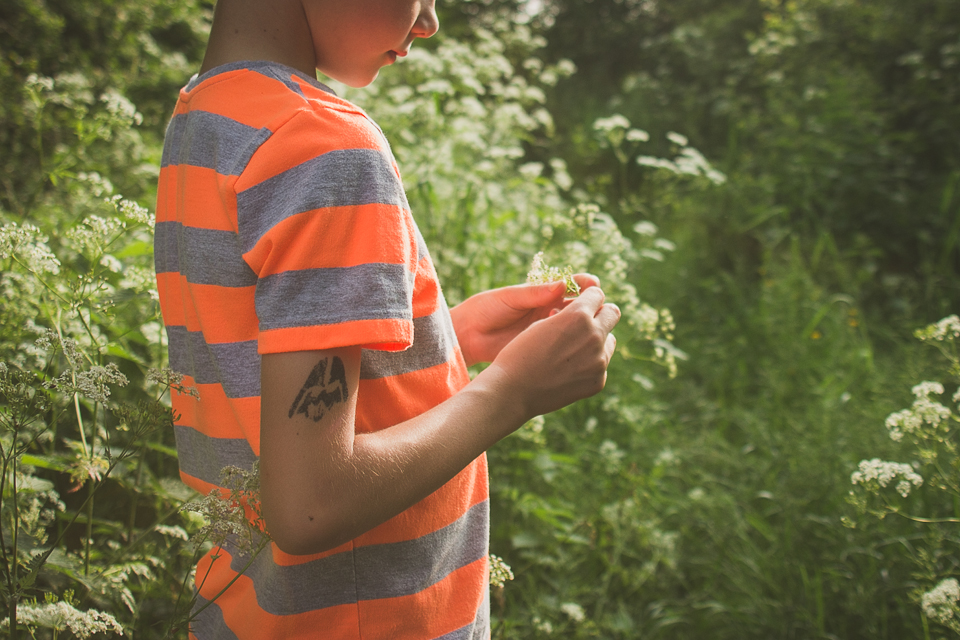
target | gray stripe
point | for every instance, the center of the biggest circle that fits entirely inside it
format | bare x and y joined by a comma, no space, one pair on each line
204,457
209,624
433,339
422,251
479,629
204,256
211,141
344,177
235,365
310,297
368,573
270,69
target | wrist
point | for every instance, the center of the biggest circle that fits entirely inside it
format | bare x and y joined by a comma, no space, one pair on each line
507,395
461,327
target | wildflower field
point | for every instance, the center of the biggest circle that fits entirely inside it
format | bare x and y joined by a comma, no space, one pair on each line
769,190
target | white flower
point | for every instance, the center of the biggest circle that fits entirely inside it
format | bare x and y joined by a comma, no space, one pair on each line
573,610
940,603
947,328
565,67
616,121
500,571
111,263
531,170
637,135
652,254
645,228
677,139
886,472
924,389
61,616
664,245
120,108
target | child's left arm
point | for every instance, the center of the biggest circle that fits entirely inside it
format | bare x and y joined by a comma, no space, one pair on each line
488,321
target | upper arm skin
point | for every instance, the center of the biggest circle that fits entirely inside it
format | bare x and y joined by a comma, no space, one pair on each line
306,438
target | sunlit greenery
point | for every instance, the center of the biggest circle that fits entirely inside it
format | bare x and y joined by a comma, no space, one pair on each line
769,190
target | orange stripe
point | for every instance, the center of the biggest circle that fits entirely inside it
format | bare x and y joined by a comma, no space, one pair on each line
217,416
198,197
229,94
198,485
441,508
284,559
171,304
447,601
249,622
385,335
336,237
389,401
426,289
223,314
298,141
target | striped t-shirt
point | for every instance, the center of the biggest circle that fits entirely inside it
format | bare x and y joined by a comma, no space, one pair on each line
282,225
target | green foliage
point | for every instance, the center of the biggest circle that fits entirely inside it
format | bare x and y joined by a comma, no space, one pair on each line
781,176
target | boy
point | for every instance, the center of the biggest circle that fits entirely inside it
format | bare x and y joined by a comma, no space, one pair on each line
301,302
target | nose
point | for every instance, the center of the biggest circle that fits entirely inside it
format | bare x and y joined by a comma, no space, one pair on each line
427,22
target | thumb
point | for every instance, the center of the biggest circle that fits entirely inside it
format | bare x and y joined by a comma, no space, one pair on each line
527,296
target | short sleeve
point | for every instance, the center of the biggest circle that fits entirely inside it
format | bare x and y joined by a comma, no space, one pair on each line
324,223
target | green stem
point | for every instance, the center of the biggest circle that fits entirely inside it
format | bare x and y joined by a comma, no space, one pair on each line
15,525
193,616
87,541
929,520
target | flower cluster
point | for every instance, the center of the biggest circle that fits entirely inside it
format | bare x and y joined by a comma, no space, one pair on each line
688,162
233,511
573,611
500,571
923,412
879,472
27,243
63,616
541,273
946,329
91,383
940,603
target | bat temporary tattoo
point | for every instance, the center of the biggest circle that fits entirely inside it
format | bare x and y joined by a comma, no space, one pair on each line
325,386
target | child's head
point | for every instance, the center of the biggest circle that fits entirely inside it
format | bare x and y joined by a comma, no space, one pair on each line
354,39
348,40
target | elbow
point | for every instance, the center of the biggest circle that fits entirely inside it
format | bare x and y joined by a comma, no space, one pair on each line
305,534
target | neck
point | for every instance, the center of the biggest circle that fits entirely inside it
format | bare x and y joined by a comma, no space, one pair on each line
276,31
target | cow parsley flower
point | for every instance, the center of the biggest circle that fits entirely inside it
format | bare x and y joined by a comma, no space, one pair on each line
924,389
677,138
541,273
946,329
616,121
500,571
574,611
61,616
940,603
883,473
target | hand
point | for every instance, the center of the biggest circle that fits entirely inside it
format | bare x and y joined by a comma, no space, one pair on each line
561,359
486,322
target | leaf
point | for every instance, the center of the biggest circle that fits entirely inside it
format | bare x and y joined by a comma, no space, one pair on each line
44,462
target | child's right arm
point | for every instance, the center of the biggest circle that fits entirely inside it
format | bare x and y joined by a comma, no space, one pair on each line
322,484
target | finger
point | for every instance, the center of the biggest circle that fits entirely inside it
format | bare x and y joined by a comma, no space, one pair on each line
591,300
586,280
527,296
609,347
608,316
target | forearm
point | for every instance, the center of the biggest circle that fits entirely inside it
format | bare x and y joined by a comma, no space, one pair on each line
363,481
